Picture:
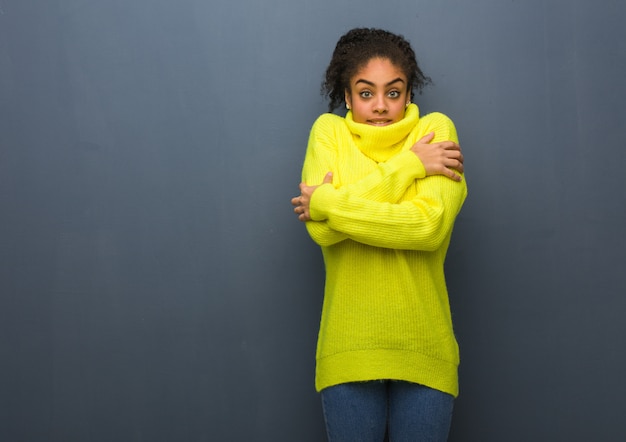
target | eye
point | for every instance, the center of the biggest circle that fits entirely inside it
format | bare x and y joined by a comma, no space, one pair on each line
394,94
365,94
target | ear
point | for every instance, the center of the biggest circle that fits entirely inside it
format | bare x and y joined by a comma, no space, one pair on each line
347,99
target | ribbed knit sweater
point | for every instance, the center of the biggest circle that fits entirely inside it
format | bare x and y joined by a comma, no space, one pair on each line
384,229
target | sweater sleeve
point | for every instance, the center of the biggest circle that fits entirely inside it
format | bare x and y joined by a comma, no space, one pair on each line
421,223
387,182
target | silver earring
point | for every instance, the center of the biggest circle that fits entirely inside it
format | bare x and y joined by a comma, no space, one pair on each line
347,106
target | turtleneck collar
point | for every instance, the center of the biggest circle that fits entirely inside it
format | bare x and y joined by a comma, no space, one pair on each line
381,143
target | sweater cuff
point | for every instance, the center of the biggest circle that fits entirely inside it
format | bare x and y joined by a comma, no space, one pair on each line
323,197
408,161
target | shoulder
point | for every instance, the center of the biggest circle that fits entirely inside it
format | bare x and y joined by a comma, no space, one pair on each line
328,125
437,119
329,120
439,123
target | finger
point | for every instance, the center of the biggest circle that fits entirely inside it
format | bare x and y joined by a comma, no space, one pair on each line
454,176
426,138
450,145
295,201
449,171
328,179
453,154
454,165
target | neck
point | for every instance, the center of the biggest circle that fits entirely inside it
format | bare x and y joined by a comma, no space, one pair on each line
381,143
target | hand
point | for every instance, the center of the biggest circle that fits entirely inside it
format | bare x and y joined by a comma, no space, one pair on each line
442,158
301,203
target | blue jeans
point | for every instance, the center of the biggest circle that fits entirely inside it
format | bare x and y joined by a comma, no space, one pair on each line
402,411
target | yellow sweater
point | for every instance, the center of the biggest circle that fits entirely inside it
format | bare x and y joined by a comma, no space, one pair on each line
384,229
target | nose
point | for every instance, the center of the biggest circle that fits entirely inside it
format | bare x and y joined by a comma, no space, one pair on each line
380,105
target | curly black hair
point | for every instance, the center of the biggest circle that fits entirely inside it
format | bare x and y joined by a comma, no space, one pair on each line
358,46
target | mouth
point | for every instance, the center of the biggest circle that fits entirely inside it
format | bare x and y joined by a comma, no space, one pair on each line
379,122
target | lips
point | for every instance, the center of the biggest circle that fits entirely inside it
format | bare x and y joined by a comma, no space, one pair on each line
379,122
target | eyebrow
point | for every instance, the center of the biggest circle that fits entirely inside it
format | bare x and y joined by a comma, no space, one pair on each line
372,84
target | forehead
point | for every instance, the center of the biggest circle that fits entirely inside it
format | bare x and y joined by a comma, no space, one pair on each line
378,70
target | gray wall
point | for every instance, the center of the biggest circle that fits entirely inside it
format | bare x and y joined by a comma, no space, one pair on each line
155,285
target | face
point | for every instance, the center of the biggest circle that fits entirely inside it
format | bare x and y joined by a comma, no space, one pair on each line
378,93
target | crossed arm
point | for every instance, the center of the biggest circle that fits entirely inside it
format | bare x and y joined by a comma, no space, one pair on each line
442,158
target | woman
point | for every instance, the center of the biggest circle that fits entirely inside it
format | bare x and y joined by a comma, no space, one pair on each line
381,190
